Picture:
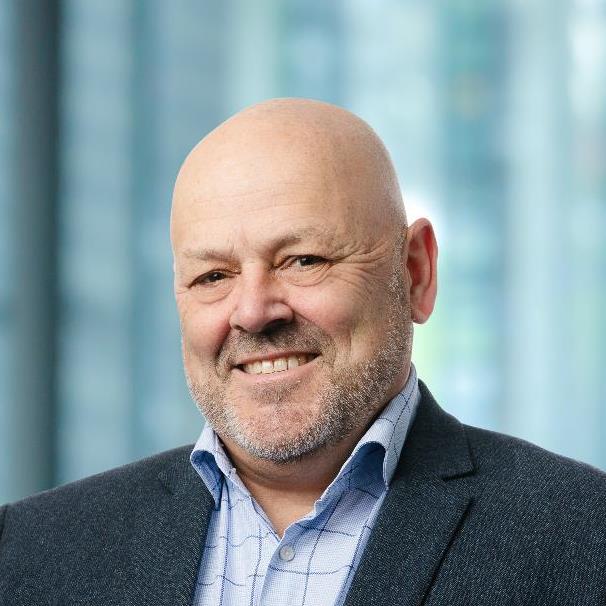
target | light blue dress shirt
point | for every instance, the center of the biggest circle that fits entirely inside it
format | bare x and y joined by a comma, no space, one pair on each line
245,562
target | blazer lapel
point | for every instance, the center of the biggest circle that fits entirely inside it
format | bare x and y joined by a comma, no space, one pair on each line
167,540
423,508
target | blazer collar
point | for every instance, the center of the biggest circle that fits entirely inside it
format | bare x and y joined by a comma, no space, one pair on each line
422,510
167,541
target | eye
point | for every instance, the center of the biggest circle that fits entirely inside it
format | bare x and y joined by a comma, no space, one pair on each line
212,277
308,260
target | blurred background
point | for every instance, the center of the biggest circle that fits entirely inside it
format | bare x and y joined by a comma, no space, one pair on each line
494,112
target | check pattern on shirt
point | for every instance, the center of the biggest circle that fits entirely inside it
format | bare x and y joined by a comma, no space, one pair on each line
246,563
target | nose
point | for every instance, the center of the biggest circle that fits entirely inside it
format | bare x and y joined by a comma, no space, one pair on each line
259,302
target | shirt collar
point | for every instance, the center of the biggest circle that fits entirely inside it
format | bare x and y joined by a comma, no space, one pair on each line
390,428
387,433
211,461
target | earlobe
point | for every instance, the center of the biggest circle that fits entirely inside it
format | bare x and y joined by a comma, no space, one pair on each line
421,265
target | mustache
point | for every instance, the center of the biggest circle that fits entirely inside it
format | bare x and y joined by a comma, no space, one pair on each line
303,336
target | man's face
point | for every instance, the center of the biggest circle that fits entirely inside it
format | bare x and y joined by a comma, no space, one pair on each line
293,304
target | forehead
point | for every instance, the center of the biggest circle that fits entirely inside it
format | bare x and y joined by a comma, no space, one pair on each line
262,198
265,220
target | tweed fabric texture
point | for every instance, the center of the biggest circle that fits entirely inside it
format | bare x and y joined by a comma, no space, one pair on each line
246,562
471,517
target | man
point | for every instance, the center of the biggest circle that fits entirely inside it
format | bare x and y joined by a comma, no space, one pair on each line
326,474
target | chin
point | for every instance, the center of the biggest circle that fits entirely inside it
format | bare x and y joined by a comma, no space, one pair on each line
276,432
287,449
279,421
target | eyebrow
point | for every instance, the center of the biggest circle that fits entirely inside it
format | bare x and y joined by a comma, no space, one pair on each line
293,237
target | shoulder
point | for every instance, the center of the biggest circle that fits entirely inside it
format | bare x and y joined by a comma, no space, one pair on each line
107,483
515,462
535,488
79,537
550,504
506,468
98,496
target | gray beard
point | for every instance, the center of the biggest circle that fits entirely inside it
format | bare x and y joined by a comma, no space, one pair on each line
352,397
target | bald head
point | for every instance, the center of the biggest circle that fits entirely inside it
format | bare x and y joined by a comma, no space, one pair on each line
286,141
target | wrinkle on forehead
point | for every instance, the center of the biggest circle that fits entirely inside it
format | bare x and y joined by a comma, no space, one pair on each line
296,144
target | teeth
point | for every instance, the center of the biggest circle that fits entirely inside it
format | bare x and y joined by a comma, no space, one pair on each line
267,366
278,365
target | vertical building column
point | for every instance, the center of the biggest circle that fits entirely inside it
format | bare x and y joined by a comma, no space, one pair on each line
473,56
10,487
95,383
539,324
28,262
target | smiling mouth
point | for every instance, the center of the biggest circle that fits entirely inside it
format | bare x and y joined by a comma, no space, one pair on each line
267,367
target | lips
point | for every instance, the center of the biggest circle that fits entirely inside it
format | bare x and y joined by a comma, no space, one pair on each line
275,364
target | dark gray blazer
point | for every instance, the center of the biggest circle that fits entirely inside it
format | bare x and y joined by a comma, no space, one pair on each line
472,517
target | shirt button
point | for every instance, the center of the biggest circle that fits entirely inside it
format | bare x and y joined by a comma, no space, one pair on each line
287,553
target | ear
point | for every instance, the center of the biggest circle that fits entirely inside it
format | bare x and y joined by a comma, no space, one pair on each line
421,267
